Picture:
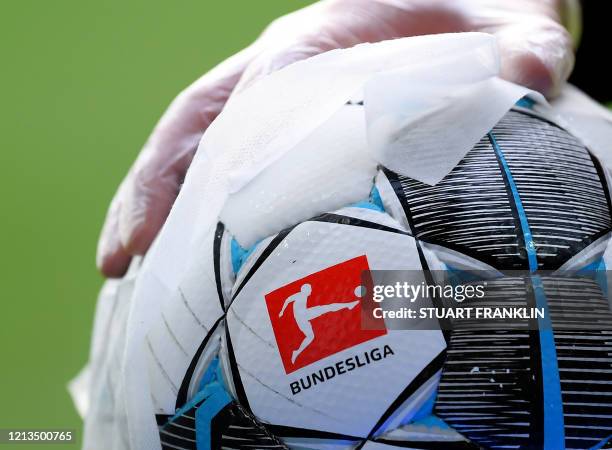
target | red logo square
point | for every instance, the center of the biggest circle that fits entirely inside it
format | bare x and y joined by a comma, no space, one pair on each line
320,315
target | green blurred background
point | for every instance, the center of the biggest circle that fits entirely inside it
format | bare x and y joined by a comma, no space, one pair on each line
82,84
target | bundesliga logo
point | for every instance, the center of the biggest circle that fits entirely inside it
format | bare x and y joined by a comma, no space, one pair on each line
320,315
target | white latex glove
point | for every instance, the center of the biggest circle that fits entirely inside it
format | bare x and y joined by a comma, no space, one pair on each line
536,51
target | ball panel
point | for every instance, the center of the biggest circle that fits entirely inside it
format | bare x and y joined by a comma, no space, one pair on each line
311,396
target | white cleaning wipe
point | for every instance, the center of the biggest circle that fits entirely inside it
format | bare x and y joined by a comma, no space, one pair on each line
423,119
284,149
329,169
426,141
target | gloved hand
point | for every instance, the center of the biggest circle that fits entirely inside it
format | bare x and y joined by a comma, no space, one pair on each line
536,51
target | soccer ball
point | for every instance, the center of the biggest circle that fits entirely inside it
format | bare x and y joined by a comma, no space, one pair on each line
282,358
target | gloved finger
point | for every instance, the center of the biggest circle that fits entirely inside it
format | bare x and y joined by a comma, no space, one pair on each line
111,259
536,53
153,182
